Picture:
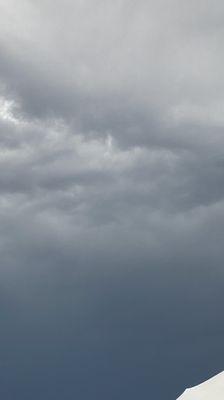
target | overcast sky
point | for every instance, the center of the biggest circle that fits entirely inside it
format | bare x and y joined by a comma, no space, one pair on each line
111,198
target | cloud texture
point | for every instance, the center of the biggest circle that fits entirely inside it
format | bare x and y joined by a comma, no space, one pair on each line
111,197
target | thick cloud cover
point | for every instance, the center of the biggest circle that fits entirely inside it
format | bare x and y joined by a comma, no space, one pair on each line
111,197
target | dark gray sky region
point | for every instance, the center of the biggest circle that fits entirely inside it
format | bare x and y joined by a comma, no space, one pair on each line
111,198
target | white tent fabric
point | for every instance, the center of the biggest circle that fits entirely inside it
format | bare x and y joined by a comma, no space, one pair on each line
212,389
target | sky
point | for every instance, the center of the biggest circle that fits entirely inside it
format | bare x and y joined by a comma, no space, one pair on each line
111,198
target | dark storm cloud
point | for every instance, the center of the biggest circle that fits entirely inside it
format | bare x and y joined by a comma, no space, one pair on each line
111,197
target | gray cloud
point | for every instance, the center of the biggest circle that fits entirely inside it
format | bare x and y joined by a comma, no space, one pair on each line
111,197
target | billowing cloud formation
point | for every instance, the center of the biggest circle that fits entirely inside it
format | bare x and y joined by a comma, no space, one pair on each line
111,197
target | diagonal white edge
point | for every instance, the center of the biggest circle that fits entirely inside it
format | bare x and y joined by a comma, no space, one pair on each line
212,389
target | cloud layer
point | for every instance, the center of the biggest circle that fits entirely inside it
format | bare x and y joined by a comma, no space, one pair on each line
111,197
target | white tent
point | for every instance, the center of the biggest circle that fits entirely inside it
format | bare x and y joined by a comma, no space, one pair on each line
212,389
